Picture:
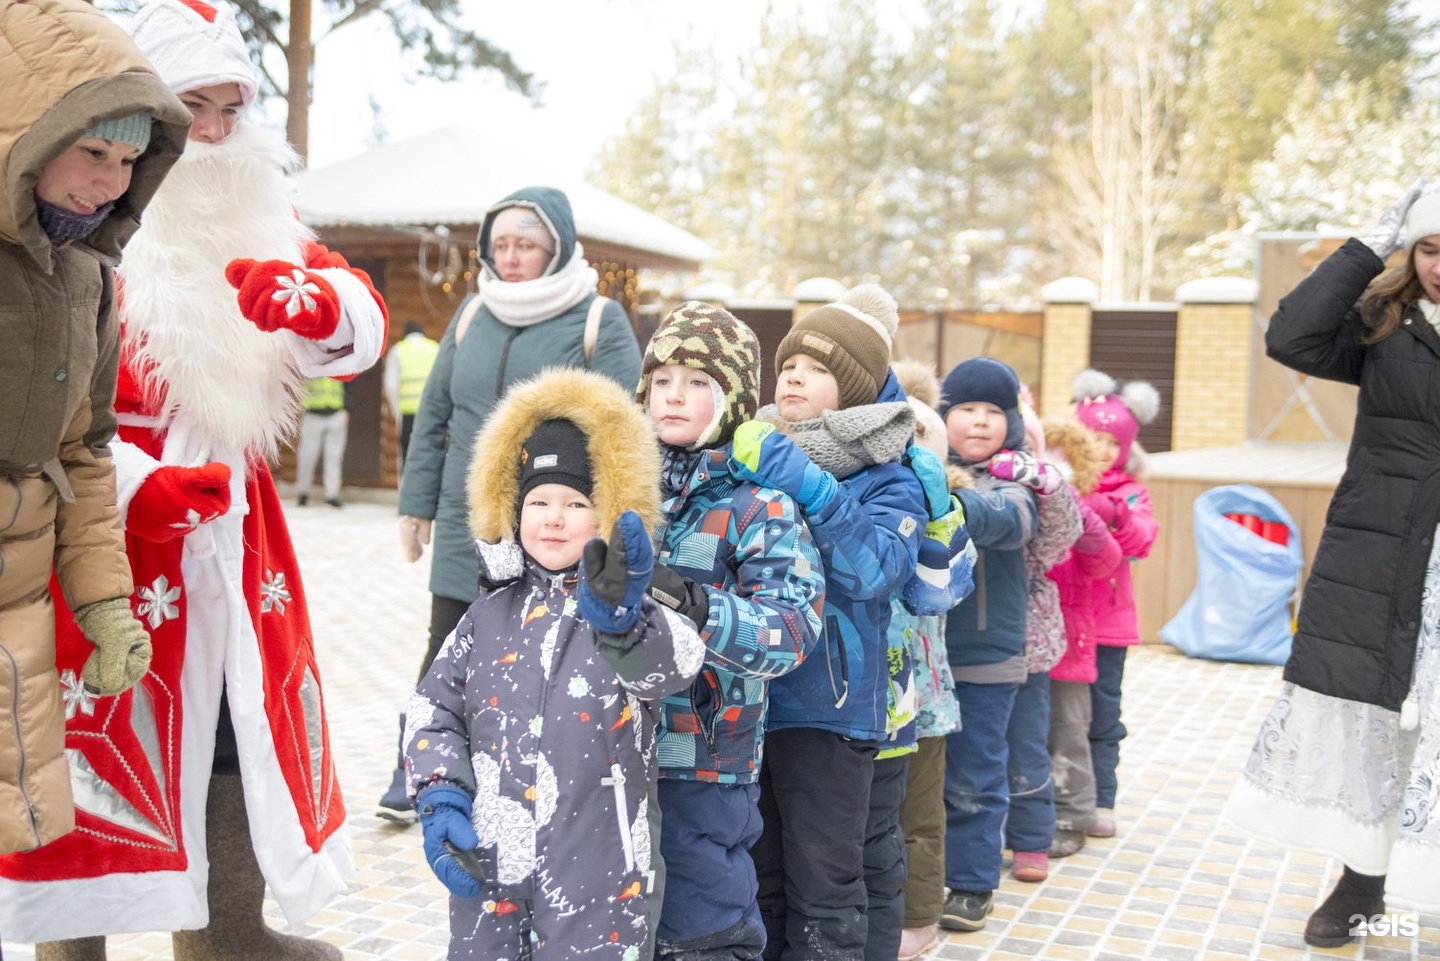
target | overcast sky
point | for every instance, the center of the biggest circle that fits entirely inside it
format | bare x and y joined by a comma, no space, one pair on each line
596,57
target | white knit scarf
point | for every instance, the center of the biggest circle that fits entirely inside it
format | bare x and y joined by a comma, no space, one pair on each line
525,303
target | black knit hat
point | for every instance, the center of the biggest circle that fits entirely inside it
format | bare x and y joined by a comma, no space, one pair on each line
988,381
556,454
711,339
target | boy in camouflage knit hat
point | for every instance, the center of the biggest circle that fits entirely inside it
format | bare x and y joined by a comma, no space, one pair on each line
736,559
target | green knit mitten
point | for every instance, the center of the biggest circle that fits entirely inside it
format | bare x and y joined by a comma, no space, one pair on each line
122,646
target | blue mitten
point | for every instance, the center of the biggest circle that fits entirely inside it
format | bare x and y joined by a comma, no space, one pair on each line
944,569
930,471
615,576
445,817
762,454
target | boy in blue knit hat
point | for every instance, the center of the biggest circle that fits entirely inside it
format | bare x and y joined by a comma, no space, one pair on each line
985,633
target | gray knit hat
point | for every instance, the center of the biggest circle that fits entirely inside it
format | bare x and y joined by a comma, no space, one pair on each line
133,129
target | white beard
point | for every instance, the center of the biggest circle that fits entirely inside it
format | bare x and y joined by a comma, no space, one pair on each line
202,361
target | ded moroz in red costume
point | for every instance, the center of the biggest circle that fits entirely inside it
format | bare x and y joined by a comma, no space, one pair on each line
217,584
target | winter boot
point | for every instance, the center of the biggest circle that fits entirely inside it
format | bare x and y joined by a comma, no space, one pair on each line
74,949
395,803
236,893
915,942
1354,894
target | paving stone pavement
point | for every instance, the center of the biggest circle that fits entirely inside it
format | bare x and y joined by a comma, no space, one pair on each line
1175,884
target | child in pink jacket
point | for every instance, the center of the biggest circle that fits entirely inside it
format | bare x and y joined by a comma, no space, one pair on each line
1123,504
1094,556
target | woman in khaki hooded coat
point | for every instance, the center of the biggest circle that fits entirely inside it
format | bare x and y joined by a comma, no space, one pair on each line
87,132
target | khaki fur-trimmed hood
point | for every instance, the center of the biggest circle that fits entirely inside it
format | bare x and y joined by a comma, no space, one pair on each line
922,390
1076,444
624,453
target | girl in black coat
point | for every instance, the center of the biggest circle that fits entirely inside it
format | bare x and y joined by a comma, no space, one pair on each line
1348,762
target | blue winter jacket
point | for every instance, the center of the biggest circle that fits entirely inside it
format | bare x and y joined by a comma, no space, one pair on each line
761,573
989,626
868,537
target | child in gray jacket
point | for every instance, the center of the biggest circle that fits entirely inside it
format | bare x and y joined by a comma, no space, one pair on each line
532,737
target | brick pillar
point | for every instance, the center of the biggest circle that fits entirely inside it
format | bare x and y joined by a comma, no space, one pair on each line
1214,347
815,292
1064,340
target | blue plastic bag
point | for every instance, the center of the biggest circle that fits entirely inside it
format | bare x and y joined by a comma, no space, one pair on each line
1240,609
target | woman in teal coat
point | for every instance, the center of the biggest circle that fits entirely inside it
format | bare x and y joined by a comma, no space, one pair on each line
536,291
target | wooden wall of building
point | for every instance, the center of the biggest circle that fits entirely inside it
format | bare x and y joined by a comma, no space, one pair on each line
1302,477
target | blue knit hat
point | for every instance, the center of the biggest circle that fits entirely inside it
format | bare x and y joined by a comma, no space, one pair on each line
133,129
988,381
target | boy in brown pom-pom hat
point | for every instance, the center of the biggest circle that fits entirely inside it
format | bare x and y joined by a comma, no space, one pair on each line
831,813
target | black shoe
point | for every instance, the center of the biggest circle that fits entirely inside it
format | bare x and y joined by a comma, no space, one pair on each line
1355,894
334,502
395,804
303,500
967,910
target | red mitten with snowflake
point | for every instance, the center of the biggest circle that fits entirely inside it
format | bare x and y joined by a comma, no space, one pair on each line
276,295
174,501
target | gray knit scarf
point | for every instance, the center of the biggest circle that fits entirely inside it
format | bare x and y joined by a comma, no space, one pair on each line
844,441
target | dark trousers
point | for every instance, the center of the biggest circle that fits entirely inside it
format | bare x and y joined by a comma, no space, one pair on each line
407,427
922,821
809,861
1030,825
1106,728
885,860
977,787
706,833
445,614
227,753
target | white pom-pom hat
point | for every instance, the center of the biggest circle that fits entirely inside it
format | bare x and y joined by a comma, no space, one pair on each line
1423,220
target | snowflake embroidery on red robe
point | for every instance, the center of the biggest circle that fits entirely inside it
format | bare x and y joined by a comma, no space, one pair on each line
274,595
157,602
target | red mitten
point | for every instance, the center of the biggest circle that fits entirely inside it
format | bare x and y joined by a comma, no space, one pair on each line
174,501
276,295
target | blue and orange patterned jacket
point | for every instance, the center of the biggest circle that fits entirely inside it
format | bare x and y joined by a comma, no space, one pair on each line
748,547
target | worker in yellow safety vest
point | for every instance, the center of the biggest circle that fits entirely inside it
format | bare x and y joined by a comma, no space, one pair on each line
323,432
406,369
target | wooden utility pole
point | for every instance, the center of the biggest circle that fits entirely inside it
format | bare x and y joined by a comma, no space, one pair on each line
299,57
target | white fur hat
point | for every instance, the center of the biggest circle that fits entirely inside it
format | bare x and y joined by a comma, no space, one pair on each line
192,44
1424,217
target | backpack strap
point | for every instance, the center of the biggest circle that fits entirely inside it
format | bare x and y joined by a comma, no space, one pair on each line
592,323
467,314
592,327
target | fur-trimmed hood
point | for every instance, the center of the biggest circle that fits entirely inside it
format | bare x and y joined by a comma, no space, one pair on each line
624,453
919,381
1076,445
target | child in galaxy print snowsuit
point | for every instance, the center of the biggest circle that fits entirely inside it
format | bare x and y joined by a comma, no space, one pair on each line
736,558
530,744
